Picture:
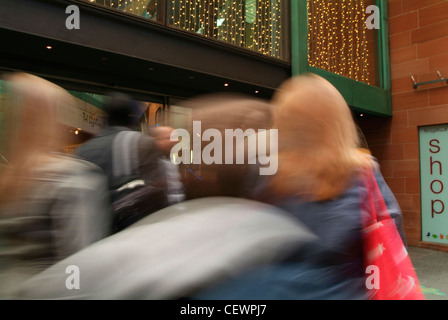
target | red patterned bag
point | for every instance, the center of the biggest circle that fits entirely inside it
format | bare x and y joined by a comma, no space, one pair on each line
389,270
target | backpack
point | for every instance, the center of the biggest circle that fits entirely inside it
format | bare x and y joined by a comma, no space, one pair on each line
135,198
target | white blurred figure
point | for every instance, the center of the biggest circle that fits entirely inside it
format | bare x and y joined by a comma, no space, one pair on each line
175,253
174,187
52,204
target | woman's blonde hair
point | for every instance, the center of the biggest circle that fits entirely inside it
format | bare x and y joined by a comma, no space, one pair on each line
31,130
318,140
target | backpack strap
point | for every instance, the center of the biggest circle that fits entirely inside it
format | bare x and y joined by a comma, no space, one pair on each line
125,153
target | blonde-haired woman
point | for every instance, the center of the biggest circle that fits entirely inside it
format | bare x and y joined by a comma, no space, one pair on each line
320,182
318,139
51,204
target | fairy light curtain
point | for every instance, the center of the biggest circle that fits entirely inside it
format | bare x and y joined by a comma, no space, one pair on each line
251,24
340,42
143,8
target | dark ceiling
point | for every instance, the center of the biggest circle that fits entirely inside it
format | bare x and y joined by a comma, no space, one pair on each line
82,68
113,51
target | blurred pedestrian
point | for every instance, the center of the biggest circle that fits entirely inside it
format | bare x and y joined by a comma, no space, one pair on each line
241,116
321,181
52,204
123,114
173,180
128,157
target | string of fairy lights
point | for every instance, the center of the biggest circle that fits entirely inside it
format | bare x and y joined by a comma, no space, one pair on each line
137,7
338,40
251,24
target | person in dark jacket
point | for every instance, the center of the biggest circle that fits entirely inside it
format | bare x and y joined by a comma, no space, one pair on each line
130,160
123,115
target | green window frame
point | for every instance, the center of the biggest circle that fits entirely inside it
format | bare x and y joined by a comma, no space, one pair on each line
360,96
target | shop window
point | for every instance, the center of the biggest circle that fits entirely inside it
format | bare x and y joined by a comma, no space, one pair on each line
335,39
256,25
149,9
339,42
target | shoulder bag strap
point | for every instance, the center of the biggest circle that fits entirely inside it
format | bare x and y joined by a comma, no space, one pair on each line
125,153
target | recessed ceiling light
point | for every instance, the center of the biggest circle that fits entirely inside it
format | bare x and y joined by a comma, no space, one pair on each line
49,47
226,84
256,91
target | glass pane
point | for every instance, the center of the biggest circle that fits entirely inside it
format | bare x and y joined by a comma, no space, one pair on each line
253,24
143,8
258,25
339,40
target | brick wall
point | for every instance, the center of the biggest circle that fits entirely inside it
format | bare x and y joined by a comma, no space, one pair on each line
418,45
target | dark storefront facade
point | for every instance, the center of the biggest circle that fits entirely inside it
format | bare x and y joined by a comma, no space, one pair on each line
160,52
181,50
115,49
